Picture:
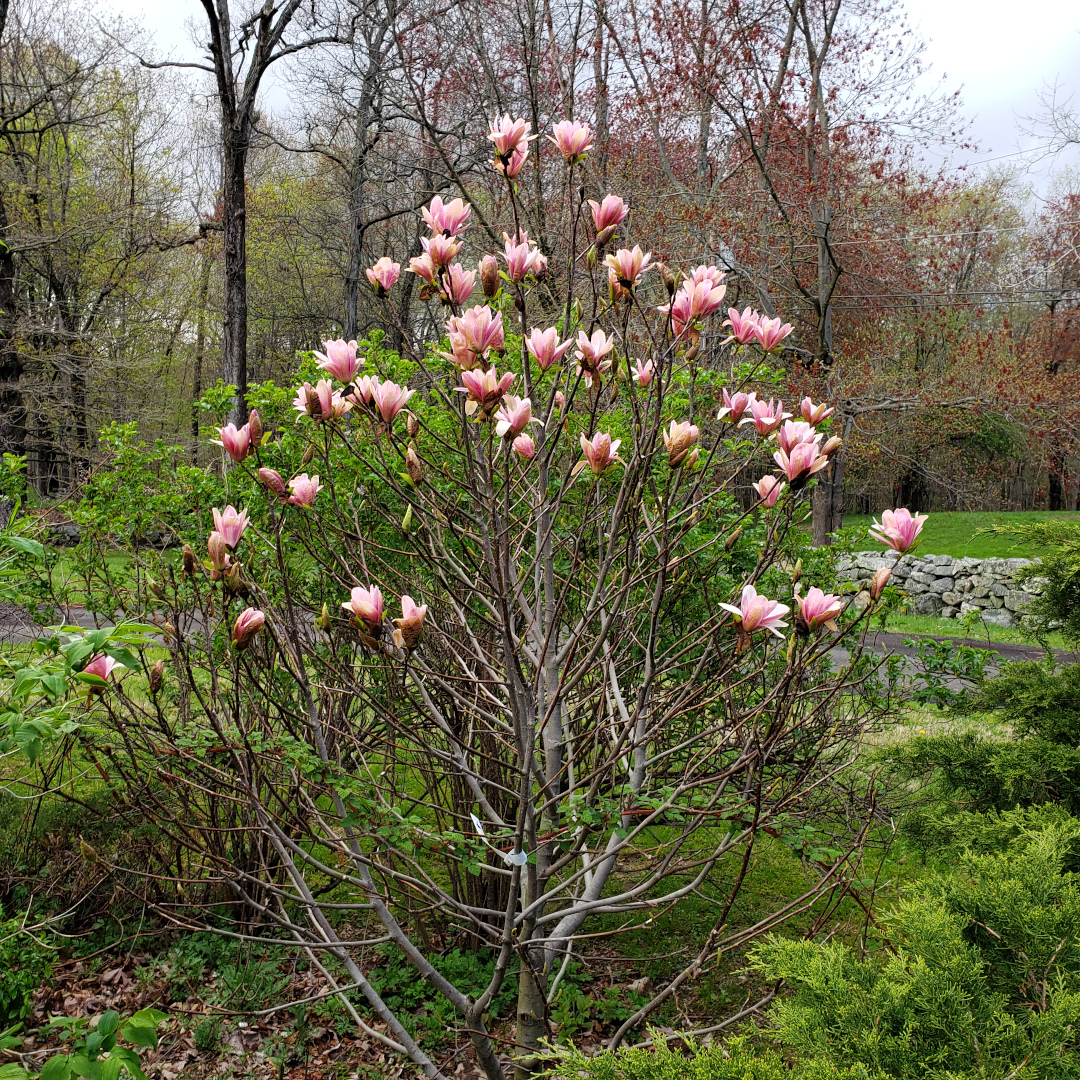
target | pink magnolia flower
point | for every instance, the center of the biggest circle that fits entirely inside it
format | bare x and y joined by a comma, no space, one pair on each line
899,529
102,666
628,265
735,406
679,309
816,609
340,360
248,623
411,623
678,440
513,416
218,551
485,389
793,432
770,333
441,250
643,373
560,399
423,266
366,605
461,283
757,612
612,211
520,257
363,389
236,441
271,480
478,331
514,165
601,452
814,414
766,417
574,140
591,351
545,347
510,136
383,275
800,463
711,274
524,447
304,488
322,402
230,523
703,297
743,327
539,264
768,489
447,219
390,399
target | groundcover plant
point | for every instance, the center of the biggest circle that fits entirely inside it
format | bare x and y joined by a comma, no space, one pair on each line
495,644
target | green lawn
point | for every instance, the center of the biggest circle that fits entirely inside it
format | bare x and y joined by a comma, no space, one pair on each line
953,532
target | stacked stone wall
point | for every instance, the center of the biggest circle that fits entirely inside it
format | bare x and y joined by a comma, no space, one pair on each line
951,588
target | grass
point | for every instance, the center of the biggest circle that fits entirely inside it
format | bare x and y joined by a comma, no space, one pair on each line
923,625
953,532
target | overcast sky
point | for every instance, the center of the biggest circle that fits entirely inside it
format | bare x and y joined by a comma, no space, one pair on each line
1001,55
999,52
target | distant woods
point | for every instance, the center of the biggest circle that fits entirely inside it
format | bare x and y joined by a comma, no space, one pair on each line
166,227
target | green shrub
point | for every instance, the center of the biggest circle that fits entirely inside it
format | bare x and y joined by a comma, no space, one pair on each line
24,966
735,1061
984,981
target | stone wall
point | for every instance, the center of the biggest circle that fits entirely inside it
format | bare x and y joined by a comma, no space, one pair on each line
950,588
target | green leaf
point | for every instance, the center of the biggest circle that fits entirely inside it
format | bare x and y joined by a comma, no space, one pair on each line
90,678
110,1068
26,545
148,1018
56,1068
130,1060
54,685
140,1035
108,1023
14,1072
81,1065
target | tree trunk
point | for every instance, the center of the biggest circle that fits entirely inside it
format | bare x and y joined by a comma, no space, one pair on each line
828,501
356,251
1056,491
12,409
234,213
200,348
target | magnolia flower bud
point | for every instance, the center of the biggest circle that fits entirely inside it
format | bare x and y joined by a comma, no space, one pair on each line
234,580
668,277
832,445
796,574
406,521
155,587
489,275
733,539
248,623
879,581
309,453
604,236
272,480
323,620
255,424
157,674
412,464
189,560
218,551
412,425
